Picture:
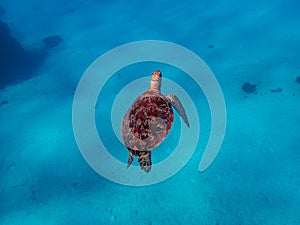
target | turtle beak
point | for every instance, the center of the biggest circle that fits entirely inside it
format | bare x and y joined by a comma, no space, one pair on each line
156,75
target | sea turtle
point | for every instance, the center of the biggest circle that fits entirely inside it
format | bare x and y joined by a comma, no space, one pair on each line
148,121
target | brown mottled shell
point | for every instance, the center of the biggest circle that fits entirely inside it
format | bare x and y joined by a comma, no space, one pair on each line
147,121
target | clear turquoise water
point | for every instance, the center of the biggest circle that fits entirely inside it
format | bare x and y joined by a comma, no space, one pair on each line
255,178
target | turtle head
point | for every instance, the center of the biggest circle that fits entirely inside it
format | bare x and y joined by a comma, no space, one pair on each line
156,80
156,75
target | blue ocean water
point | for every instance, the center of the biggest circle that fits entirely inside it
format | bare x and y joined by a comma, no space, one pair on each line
46,46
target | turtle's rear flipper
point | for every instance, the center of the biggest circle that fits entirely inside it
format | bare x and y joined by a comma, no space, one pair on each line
175,102
130,159
145,161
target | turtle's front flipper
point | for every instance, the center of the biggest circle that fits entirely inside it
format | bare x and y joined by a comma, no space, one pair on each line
175,102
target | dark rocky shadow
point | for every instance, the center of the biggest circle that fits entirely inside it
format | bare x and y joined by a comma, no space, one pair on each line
18,64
